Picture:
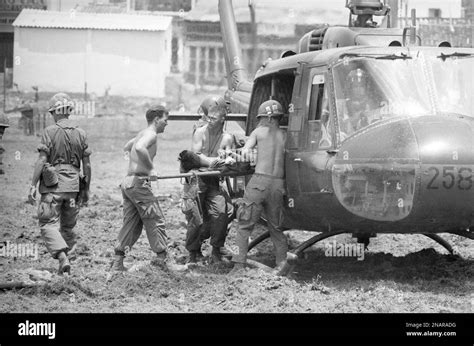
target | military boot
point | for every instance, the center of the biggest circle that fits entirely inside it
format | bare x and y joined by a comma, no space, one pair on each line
175,267
238,269
226,253
165,262
216,255
64,265
192,257
117,264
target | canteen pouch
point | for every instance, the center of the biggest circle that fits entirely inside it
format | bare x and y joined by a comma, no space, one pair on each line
50,176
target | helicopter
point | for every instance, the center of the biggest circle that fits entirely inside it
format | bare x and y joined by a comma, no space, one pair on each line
380,129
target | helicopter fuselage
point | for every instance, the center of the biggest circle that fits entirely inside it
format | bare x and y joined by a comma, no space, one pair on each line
407,169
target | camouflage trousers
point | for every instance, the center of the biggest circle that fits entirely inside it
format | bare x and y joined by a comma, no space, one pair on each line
140,209
208,211
57,215
263,193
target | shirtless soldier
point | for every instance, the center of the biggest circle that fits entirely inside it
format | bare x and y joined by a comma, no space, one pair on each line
265,190
140,206
208,141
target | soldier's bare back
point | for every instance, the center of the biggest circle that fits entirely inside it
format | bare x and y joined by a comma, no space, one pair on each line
271,146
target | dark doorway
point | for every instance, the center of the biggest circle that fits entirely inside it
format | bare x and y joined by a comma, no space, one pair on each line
6,49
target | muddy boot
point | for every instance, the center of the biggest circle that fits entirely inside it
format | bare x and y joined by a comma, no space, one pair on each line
285,267
216,256
192,259
117,264
173,266
226,253
239,269
64,266
72,253
199,256
159,260
164,262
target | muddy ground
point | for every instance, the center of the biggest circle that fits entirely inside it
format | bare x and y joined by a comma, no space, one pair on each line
399,273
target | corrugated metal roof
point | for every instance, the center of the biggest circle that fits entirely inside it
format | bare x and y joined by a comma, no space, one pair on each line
100,21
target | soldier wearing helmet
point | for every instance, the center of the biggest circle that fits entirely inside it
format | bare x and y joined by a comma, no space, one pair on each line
265,190
63,149
28,111
203,110
209,141
3,125
356,103
362,106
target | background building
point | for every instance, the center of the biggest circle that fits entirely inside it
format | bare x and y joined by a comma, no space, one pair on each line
9,10
272,27
267,30
124,54
439,20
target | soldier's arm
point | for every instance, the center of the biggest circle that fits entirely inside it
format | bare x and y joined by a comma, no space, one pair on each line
142,146
44,151
128,147
197,147
42,159
197,140
249,145
251,141
228,142
87,170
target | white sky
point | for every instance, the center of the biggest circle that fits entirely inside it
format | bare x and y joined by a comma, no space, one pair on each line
449,8
310,11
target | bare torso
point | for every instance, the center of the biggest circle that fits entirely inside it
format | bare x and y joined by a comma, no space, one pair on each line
208,143
136,165
270,151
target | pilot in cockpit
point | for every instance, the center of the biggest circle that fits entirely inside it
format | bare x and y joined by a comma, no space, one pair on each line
361,106
356,102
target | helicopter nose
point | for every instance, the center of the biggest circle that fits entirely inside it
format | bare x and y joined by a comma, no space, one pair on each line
447,140
446,154
419,166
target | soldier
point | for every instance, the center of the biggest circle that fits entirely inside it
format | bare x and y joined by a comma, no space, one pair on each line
63,148
265,190
140,206
191,205
28,110
208,141
203,111
3,125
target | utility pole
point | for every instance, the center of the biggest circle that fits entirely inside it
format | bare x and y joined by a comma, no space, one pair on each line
4,84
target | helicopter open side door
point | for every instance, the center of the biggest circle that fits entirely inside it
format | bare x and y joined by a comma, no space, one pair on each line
310,134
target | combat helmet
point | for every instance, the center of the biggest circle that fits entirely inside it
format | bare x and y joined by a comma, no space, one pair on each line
60,104
270,108
213,105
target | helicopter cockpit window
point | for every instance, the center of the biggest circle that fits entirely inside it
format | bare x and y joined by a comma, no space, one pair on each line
359,101
318,116
277,87
368,90
454,82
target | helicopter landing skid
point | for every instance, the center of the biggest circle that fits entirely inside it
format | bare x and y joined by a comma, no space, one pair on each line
287,268
441,242
464,233
294,255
